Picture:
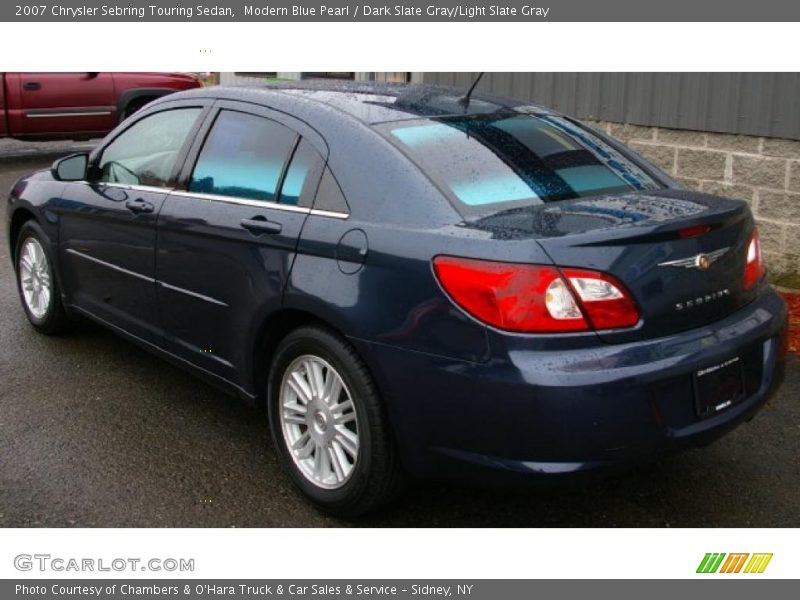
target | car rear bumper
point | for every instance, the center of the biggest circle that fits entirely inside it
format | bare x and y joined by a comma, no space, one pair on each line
546,412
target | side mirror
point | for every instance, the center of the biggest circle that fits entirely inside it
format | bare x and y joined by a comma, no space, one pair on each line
92,75
71,168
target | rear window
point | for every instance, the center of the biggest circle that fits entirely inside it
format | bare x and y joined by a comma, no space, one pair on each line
488,162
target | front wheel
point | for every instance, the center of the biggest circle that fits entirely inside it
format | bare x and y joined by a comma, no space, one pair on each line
328,424
36,282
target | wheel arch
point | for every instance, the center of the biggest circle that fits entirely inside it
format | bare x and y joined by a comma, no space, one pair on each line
274,328
128,97
19,217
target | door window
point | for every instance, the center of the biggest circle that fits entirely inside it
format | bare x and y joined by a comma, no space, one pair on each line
244,156
146,152
302,176
329,194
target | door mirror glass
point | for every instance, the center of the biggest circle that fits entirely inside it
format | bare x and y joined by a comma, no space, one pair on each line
71,168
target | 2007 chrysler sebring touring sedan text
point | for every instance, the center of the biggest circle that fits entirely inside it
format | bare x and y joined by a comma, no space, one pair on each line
412,279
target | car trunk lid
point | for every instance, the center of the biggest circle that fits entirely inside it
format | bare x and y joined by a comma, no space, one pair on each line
680,254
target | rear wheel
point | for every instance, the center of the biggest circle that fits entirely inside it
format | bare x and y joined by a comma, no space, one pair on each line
329,426
36,282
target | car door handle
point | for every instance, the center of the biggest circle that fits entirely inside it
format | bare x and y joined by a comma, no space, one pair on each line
31,86
259,225
139,206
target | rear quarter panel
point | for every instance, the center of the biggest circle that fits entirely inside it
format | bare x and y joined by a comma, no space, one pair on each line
390,297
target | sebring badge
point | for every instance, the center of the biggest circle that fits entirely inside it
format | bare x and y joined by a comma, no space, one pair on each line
701,261
704,299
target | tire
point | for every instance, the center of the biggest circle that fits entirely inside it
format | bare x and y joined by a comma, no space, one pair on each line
33,265
134,106
375,475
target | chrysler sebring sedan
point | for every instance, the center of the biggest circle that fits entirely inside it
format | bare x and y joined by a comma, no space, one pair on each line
411,280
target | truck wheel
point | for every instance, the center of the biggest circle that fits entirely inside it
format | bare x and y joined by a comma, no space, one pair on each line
133,106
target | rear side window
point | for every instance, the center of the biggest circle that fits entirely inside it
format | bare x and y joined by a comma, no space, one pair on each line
329,195
145,153
492,162
302,176
243,156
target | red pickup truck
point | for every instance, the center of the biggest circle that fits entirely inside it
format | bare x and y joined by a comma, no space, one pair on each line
51,106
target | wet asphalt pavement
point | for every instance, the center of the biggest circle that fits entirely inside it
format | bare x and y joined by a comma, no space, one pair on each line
96,432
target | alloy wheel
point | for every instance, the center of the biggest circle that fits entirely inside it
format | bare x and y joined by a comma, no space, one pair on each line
319,422
34,277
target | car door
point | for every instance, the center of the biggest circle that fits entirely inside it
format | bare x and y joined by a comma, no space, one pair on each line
53,103
107,224
226,242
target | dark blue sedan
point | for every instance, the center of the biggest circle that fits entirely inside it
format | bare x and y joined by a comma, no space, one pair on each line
413,281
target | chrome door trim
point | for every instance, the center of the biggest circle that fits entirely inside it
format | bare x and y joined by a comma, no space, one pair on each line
175,288
76,113
110,265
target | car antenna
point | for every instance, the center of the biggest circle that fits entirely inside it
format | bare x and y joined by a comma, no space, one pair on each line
464,101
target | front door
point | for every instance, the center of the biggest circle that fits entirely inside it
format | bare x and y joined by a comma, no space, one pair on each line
107,225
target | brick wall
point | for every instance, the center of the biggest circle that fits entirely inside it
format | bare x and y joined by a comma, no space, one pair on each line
763,171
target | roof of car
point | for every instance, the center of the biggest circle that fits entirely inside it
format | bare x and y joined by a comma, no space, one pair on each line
377,102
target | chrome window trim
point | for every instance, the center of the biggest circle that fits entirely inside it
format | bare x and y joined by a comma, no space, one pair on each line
318,212
123,186
262,204
136,187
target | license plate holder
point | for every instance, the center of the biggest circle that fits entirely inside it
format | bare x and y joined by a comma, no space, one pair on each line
718,387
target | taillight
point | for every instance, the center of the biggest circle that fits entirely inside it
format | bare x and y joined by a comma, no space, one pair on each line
604,299
535,298
754,268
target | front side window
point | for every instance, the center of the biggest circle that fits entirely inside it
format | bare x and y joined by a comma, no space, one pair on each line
243,156
146,152
490,162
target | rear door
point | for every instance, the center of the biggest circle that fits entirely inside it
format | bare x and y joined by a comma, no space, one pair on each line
107,225
227,241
